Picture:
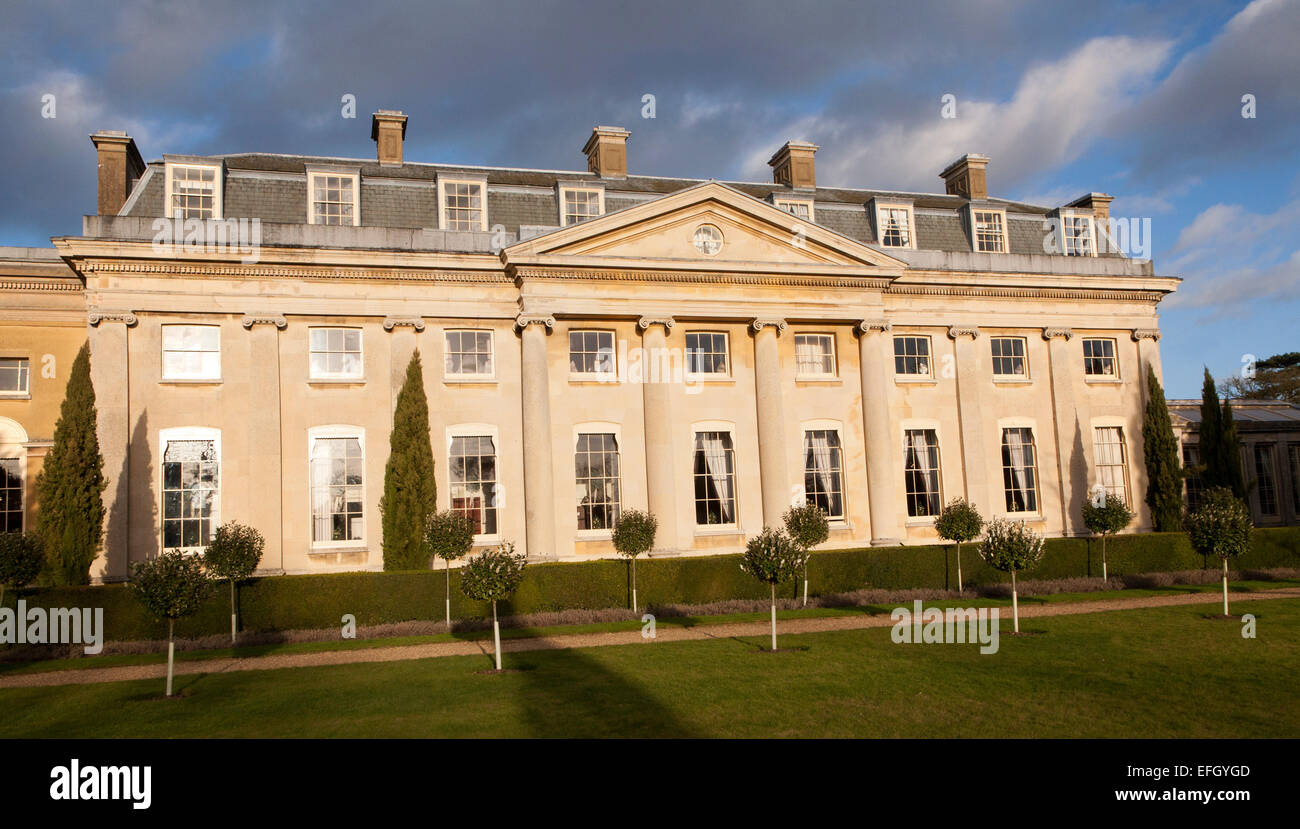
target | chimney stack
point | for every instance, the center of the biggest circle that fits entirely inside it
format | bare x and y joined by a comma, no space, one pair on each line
388,130
606,152
1099,204
965,177
792,165
120,167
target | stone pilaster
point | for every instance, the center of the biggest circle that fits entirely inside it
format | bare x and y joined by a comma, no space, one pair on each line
266,486
539,478
400,349
970,416
1148,340
774,474
109,373
1071,433
874,356
657,412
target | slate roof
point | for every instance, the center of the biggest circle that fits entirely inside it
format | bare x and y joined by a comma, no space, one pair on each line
274,189
1250,415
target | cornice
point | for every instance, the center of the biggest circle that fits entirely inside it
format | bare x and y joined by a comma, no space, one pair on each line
700,277
295,272
1026,293
65,285
416,323
277,320
95,316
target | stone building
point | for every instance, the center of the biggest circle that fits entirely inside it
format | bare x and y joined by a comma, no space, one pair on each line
1269,434
592,340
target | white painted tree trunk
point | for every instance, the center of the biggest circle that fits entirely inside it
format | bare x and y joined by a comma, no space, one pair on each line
1015,605
171,653
232,612
1104,575
959,588
634,585
1225,587
496,635
774,617
448,571
805,586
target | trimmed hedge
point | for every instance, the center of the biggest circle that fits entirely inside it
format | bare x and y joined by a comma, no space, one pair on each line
320,601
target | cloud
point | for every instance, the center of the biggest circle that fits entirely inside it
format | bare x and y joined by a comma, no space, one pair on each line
1232,259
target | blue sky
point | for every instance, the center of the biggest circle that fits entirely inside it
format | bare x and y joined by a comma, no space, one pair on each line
1142,101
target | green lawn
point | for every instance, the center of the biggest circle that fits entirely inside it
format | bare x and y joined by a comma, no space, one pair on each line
1166,672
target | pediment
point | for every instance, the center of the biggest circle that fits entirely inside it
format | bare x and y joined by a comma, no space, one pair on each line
754,235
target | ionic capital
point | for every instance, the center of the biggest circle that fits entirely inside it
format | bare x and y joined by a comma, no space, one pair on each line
765,322
1146,334
869,326
277,320
1053,333
393,322
524,320
644,323
95,316
955,331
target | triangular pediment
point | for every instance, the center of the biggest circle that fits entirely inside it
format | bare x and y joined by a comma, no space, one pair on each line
753,235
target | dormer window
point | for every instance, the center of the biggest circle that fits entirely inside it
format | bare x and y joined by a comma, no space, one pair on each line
799,208
193,190
895,225
988,230
463,204
334,197
579,204
1076,234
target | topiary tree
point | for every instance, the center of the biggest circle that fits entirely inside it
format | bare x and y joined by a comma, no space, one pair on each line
71,484
171,586
1010,546
807,525
449,536
959,522
22,556
634,534
1105,514
1220,527
492,575
773,557
233,555
410,494
1164,471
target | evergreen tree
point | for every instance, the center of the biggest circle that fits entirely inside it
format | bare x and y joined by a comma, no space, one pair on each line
410,492
71,484
1211,415
1230,450
1164,472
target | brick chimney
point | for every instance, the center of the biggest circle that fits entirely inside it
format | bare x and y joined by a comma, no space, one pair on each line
793,165
120,167
606,152
388,130
965,177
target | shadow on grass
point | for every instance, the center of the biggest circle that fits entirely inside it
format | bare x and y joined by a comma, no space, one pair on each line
571,694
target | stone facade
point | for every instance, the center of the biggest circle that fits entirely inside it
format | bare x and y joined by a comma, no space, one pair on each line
699,352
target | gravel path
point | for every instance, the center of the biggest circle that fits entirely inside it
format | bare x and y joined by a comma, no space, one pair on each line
666,633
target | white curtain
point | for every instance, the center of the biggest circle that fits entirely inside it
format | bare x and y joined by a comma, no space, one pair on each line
715,447
320,496
821,451
1017,451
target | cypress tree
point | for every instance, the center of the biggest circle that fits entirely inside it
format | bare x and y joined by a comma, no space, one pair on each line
1211,451
410,492
1231,453
1164,473
71,484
